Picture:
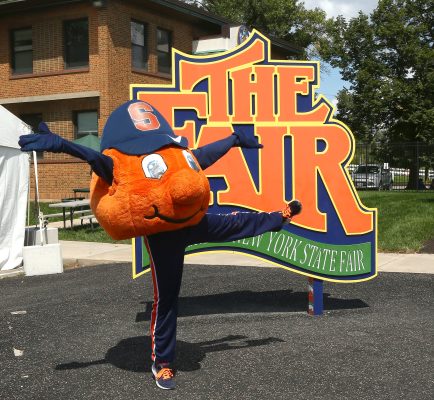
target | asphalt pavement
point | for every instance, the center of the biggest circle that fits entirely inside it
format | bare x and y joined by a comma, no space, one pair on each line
243,333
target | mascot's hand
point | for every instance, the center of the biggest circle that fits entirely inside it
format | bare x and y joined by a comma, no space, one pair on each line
44,140
246,141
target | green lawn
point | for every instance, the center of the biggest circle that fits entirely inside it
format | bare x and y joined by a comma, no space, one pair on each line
33,212
406,221
86,234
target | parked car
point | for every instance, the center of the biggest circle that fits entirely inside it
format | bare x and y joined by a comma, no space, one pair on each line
372,176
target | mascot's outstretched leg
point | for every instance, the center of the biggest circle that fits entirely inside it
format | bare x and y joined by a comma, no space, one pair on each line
166,251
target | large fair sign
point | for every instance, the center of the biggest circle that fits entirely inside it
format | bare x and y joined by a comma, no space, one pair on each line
305,156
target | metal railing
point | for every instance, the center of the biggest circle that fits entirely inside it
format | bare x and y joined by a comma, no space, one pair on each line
399,166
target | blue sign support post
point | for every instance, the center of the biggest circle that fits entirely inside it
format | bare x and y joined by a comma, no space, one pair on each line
316,298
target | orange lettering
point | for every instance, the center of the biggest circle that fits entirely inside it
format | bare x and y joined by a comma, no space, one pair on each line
168,102
216,72
294,80
308,163
244,88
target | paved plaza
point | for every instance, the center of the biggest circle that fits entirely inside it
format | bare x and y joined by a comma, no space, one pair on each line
243,333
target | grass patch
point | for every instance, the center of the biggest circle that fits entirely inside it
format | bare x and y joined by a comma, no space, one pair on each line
33,213
405,219
86,234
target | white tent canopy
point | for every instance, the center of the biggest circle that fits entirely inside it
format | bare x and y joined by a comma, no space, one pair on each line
14,178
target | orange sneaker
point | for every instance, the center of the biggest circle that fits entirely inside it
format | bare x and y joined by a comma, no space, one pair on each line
163,375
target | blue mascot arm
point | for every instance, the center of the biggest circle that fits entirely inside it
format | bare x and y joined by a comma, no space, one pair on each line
46,140
210,153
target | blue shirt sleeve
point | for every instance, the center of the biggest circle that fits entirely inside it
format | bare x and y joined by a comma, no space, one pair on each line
101,164
46,140
210,153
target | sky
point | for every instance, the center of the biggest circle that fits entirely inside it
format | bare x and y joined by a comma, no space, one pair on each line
331,82
347,8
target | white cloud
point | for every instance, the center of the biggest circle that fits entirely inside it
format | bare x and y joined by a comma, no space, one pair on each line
348,9
335,102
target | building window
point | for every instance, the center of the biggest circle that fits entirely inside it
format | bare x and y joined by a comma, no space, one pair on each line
22,51
86,123
139,48
164,50
33,120
76,43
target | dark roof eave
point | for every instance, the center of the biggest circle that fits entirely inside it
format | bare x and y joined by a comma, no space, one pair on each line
193,12
292,48
4,2
28,7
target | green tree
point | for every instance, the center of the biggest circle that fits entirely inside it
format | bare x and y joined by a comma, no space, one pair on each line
284,19
388,60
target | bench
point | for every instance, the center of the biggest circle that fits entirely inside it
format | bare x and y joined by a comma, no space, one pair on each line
85,214
82,211
80,190
74,207
53,215
48,216
90,217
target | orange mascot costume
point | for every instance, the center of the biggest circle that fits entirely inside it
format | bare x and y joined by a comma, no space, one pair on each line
147,182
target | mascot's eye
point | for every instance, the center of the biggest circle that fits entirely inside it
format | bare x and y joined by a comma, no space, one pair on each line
190,160
154,166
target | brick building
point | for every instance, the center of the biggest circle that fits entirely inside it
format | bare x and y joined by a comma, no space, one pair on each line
70,63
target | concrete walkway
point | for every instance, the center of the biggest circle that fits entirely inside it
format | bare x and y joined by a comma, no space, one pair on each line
77,254
85,253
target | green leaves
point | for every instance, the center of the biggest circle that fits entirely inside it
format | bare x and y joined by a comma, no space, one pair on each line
283,19
388,59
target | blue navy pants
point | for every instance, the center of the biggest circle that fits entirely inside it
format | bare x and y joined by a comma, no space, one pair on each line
166,251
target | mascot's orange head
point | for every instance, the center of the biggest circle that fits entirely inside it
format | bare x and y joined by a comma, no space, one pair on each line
157,183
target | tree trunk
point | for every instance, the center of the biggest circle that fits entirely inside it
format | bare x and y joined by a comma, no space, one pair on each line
414,181
413,177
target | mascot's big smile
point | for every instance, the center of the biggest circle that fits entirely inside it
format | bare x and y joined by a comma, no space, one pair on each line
171,220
